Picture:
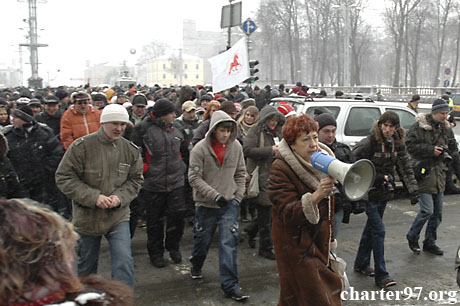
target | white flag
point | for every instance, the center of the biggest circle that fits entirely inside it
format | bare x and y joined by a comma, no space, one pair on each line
230,67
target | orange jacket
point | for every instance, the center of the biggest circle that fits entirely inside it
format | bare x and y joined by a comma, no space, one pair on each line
75,124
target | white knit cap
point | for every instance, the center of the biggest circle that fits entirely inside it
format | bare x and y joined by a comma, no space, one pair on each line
114,113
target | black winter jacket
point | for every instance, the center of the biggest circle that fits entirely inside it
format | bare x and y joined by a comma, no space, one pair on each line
165,153
35,153
54,122
386,155
9,182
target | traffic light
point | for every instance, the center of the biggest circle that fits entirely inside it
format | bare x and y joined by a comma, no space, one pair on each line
253,71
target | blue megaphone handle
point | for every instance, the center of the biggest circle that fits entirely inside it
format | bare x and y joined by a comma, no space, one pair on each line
321,161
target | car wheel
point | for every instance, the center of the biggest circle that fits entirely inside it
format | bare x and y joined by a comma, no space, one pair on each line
452,184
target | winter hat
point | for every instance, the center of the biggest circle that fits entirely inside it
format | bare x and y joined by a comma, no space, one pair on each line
206,97
114,113
325,119
188,106
139,99
321,110
239,97
23,112
228,107
287,110
163,107
51,100
415,98
61,94
248,102
439,105
35,102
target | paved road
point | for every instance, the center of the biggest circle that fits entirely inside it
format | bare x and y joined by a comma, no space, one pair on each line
258,276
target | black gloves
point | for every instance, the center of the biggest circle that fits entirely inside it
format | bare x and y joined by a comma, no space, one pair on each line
221,201
414,197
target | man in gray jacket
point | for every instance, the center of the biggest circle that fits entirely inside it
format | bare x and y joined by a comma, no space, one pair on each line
217,174
102,173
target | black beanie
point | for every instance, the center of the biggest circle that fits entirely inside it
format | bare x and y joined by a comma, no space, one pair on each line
163,107
325,119
24,112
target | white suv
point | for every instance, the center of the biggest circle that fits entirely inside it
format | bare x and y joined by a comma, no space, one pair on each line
355,118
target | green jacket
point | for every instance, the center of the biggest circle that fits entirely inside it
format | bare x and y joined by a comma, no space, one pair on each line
94,165
422,137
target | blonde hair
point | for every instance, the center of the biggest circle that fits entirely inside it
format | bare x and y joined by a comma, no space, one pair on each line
37,248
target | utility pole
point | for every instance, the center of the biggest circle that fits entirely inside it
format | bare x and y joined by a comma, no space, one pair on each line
34,81
229,33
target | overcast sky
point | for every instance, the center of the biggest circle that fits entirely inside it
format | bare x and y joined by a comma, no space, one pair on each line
100,30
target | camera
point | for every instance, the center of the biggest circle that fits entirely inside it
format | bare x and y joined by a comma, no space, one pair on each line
445,154
388,180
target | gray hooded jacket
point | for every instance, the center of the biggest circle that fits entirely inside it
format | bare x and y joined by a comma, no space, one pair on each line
207,177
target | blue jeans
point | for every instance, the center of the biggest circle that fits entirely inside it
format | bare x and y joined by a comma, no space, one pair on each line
431,211
372,240
206,222
121,260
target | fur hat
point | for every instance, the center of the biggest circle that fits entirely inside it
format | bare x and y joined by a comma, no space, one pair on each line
114,113
325,119
439,105
163,107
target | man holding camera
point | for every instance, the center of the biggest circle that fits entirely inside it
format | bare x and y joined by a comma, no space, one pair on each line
217,174
432,145
385,148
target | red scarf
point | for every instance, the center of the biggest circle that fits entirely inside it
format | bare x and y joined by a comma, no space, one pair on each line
219,149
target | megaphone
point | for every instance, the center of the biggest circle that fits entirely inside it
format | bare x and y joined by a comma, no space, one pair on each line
356,178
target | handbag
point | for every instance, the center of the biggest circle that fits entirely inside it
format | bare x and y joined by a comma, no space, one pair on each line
253,187
252,180
338,266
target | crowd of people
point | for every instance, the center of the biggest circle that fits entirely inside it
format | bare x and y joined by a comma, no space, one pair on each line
110,160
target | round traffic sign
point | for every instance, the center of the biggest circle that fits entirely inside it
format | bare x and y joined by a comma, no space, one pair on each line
249,26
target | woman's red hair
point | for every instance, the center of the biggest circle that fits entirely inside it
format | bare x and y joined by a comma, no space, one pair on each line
295,125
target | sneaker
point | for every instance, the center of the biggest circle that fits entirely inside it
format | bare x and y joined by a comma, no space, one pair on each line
413,245
269,254
237,295
369,271
158,262
195,273
433,249
176,256
386,283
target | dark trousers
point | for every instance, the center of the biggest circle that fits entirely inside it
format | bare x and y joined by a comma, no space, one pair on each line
262,225
161,206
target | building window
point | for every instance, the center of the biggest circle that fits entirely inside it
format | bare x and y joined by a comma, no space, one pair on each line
164,76
185,66
175,76
164,66
197,66
185,76
197,76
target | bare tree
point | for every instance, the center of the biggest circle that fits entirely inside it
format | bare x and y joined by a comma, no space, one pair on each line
395,19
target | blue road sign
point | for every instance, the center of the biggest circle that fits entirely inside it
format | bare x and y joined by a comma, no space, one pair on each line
249,26
446,83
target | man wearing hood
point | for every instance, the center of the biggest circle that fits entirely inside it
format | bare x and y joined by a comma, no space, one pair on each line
217,174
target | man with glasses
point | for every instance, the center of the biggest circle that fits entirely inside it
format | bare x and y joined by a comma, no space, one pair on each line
80,119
